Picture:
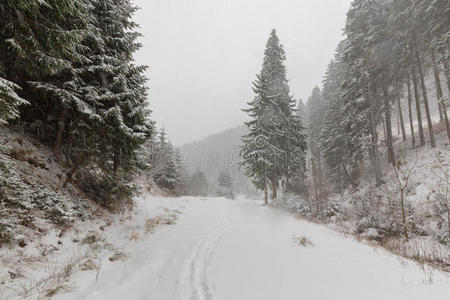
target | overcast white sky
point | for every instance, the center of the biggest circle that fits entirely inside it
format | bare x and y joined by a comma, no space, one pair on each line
203,55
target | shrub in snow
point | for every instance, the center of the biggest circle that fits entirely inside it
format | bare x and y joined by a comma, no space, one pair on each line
332,209
23,194
440,218
57,207
107,190
7,229
293,202
302,241
371,234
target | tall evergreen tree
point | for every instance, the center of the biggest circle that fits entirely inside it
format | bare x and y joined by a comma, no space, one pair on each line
119,124
315,107
38,41
341,154
275,147
362,97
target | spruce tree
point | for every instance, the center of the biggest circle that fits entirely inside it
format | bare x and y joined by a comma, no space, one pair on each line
340,153
275,147
198,184
38,41
113,132
225,185
365,94
116,86
166,165
40,38
315,107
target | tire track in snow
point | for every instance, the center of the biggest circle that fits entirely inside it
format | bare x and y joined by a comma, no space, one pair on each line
194,283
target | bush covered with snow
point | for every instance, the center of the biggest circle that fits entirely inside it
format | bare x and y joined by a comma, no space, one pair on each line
107,190
381,214
295,203
26,193
7,226
26,196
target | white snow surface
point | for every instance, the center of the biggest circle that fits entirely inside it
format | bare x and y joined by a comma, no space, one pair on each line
233,250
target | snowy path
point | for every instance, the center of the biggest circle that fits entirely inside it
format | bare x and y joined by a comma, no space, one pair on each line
194,282
238,250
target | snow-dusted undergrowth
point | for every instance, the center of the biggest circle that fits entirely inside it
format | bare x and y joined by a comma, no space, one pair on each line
49,233
374,213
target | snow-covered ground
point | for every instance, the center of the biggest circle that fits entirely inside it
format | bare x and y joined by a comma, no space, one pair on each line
223,249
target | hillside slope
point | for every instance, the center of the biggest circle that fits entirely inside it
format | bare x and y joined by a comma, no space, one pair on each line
47,232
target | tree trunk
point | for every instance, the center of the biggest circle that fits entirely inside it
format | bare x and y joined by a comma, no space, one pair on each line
440,95
384,130
43,130
315,183
376,162
448,218
400,114
72,171
437,83
274,189
115,162
339,181
424,94
389,138
402,201
411,125
266,195
59,134
319,168
354,184
375,154
418,109
446,71
447,122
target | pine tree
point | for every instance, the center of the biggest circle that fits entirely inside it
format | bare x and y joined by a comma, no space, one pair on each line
38,40
275,146
116,86
301,112
166,165
182,175
257,153
315,107
72,60
341,154
198,184
225,185
112,133
366,88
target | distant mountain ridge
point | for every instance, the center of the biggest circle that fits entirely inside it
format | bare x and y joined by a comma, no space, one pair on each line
218,152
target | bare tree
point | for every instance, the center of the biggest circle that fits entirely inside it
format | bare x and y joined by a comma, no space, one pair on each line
442,175
402,173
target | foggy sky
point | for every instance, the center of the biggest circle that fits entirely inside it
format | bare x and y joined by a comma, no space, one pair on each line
203,55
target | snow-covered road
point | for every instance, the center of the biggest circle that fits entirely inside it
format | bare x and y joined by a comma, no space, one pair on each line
239,250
